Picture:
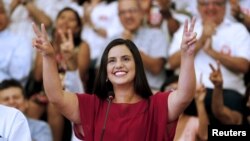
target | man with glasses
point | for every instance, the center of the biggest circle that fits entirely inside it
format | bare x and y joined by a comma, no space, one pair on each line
219,39
152,43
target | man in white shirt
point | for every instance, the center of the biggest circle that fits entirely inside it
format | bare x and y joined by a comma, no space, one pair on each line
13,125
223,40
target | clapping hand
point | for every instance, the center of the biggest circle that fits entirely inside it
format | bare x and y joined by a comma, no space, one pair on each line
41,41
215,75
188,38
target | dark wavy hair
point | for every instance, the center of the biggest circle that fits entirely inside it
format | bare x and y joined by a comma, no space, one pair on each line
76,36
102,88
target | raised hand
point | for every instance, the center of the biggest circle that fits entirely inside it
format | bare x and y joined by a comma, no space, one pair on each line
216,76
41,41
127,35
200,91
188,38
235,8
67,45
209,28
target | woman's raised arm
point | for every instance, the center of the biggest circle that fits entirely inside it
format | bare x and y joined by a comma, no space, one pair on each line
181,98
66,102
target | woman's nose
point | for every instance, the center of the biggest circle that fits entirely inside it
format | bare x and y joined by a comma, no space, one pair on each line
119,64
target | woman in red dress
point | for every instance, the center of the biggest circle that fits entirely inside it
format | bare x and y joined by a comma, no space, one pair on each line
122,107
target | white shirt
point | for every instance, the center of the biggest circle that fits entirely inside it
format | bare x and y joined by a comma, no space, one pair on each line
15,56
13,125
21,21
104,15
230,38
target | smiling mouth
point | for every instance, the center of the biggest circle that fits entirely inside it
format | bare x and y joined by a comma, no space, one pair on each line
120,73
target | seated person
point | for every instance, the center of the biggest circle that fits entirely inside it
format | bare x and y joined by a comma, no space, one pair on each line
12,94
190,127
11,123
224,114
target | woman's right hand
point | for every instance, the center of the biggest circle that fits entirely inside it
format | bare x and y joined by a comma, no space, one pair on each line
41,41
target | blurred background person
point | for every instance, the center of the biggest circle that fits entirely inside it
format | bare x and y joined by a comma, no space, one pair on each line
190,127
219,39
13,125
240,11
12,94
16,52
151,42
101,22
225,114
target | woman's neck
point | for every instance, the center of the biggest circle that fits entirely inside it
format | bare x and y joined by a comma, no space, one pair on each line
126,96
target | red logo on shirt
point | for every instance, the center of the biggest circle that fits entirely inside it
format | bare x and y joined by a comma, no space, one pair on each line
226,50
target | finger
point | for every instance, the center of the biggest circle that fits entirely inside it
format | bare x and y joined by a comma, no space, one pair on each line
37,44
62,35
36,30
218,66
212,67
70,36
201,75
192,42
192,39
191,29
44,32
185,27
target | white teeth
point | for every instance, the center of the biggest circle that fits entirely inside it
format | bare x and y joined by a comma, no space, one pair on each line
120,73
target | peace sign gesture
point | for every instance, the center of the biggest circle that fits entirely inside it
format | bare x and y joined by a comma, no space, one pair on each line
41,41
188,38
67,45
215,75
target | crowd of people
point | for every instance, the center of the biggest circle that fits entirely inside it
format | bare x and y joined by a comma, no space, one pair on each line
115,69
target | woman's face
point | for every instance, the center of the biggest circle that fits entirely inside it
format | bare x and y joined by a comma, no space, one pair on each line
67,20
120,66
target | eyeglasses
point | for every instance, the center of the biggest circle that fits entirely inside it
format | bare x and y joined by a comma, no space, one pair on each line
130,11
214,3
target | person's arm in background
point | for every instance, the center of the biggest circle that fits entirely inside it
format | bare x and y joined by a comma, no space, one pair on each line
233,63
221,112
165,10
202,113
181,98
88,8
238,14
38,15
154,65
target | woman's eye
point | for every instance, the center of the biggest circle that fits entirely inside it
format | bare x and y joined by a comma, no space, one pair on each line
111,61
126,59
